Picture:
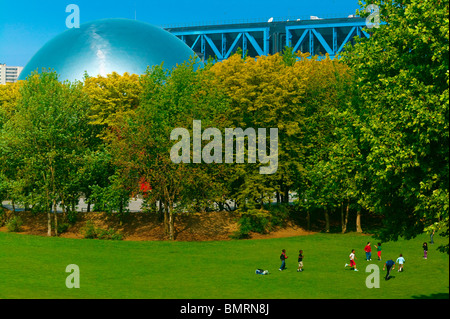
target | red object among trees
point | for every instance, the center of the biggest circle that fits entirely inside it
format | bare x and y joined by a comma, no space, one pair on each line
144,186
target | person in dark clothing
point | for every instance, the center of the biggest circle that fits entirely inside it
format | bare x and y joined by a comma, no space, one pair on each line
300,261
425,250
390,265
283,258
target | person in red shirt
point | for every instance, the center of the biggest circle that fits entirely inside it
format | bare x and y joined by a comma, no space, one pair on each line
368,251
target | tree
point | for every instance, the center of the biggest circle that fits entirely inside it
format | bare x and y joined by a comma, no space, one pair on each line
402,80
142,143
9,94
47,136
266,93
111,98
328,141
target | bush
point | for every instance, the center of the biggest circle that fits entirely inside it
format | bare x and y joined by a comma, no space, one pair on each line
92,232
110,234
62,227
240,234
2,217
14,224
72,217
258,223
261,221
279,214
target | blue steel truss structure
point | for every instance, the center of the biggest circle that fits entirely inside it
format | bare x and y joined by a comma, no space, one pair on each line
318,37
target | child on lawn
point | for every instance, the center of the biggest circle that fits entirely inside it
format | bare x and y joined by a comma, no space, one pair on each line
352,261
300,261
368,251
283,258
400,260
425,250
379,251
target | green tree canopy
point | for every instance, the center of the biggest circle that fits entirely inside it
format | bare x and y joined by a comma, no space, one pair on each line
402,78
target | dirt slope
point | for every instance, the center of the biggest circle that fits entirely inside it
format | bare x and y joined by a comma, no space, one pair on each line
139,226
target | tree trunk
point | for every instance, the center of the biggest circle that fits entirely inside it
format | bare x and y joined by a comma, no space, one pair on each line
344,217
49,214
286,194
327,221
63,210
49,223
160,210
121,213
171,221
171,225
166,219
308,220
358,221
52,172
56,217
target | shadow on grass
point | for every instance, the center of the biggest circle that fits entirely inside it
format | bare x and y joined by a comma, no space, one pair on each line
441,295
390,277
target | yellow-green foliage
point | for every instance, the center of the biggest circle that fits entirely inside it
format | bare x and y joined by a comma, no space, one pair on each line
112,97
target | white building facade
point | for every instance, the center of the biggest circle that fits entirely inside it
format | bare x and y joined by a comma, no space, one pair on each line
9,74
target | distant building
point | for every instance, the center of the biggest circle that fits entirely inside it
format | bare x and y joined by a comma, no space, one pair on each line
315,35
9,74
104,46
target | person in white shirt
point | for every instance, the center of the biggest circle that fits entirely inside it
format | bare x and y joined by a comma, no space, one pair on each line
352,261
400,260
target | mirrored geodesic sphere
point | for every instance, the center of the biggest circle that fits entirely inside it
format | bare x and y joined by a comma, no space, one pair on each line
103,46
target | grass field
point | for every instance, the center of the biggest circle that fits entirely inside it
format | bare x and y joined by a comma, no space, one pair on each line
34,267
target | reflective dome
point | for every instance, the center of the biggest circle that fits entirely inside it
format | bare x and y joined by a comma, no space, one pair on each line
103,46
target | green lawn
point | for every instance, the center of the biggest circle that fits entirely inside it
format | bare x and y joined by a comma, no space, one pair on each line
34,267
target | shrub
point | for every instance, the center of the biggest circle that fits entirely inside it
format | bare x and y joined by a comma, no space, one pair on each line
14,224
110,234
89,230
240,234
261,221
62,227
72,217
92,232
258,223
2,217
279,214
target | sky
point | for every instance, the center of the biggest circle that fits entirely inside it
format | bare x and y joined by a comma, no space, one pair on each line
26,25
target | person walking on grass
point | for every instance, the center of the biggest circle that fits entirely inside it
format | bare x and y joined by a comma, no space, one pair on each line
379,251
425,250
352,261
368,251
400,261
283,258
300,261
390,265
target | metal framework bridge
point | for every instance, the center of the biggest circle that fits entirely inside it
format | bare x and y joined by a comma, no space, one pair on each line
317,36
